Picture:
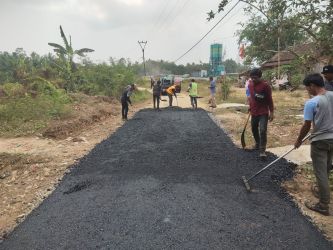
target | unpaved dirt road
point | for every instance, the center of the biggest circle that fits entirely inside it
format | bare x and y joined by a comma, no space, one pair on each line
167,180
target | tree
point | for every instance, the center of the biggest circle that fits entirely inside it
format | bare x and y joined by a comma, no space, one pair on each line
66,54
291,20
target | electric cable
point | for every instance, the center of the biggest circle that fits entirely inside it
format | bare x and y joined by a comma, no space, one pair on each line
206,33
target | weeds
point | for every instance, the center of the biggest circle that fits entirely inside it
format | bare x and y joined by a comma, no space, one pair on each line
26,115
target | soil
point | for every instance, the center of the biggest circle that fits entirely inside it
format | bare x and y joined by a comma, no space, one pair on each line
32,167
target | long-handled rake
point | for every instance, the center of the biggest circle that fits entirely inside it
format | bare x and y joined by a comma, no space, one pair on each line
246,181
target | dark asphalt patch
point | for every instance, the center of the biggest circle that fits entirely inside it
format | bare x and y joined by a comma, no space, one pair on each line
169,180
78,187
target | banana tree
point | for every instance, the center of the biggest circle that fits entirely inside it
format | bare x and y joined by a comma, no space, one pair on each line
66,54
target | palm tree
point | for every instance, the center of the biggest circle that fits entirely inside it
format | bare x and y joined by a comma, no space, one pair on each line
68,52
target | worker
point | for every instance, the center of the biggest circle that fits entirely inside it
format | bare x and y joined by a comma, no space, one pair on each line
193,93
318,113
125,100
328,75
152,81
171,91
261,109
157,94
212,89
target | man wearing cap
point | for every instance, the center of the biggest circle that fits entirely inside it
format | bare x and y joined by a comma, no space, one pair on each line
328,74
261,109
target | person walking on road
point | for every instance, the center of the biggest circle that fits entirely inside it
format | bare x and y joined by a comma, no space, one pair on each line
328,74
318,112
212,89
171,91
157,94
193,93
125,100
261,109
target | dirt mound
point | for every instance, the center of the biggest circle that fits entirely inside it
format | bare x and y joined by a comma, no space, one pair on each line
88,110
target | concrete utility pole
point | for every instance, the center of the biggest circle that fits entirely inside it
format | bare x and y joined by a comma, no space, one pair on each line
143,45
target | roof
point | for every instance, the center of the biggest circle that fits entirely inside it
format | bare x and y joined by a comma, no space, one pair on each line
287,56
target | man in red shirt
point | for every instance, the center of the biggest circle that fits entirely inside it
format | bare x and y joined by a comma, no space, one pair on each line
261,108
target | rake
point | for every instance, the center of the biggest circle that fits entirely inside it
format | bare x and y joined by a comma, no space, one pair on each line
246,181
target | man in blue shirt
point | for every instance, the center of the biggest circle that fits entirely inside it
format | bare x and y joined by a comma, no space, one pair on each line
212,88
318,112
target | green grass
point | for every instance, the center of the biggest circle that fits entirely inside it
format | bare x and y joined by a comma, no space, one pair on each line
27,115
140,96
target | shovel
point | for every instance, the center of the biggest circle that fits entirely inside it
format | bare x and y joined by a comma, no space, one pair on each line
243,133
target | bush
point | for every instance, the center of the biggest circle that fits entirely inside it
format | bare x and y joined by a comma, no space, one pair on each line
27,114
225,87
296,79
89,89
43,87
13,89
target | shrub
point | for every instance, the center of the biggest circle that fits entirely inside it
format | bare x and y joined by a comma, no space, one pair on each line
296,79
26,114
225,88
13,89
41,86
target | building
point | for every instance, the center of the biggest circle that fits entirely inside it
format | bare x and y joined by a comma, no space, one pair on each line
286,57
201,73
215,60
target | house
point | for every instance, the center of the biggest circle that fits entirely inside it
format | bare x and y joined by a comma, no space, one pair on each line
288,56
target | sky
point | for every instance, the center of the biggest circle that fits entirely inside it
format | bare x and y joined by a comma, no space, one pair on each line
113,27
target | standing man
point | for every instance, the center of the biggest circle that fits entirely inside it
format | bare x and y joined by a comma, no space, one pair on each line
152,81
171,91
157,94
261,109
318,111
212,88
193,93
125,100
328,74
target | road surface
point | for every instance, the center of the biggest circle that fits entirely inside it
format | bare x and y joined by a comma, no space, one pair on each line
168,180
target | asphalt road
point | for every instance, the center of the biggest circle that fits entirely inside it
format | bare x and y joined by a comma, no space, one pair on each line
168,180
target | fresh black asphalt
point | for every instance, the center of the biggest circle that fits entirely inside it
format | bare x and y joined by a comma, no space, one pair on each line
168,180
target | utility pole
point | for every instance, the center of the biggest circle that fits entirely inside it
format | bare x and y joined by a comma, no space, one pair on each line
143,46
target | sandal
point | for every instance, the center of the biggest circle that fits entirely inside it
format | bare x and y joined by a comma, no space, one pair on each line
318,207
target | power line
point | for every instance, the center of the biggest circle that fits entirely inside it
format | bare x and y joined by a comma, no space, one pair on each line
159,17
165,20
177,14
207,33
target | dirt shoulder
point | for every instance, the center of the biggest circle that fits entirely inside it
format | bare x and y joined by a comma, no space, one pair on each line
31,167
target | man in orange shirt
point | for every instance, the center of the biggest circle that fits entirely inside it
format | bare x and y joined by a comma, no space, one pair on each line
171,91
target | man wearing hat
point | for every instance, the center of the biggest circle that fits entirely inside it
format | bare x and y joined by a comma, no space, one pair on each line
328,74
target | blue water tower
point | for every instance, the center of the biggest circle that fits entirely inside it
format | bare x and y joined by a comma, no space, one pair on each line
215,60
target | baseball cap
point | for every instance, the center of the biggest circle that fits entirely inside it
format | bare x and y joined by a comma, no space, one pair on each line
327,69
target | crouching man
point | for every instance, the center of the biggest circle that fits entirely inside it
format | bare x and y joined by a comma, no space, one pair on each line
318,111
